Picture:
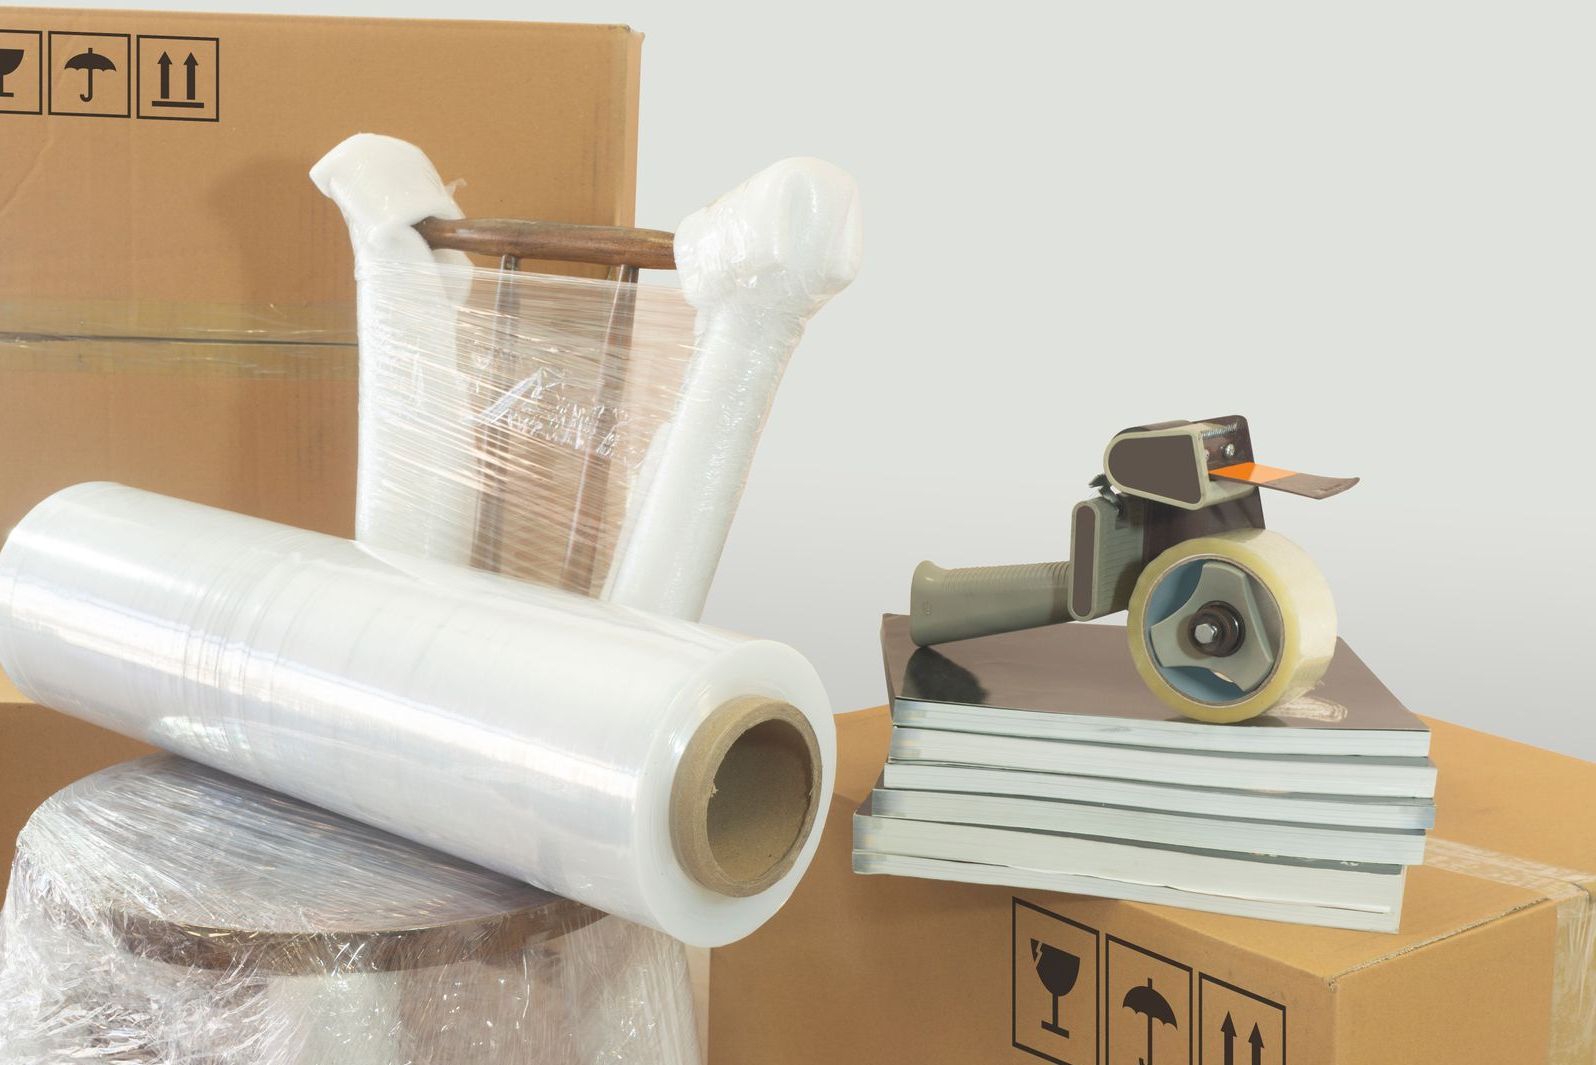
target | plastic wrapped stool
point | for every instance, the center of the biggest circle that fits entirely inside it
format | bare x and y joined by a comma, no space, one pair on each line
161,912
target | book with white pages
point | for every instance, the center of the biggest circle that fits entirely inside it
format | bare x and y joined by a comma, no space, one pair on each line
1348,811
1303,774
1342,894
1382,846
1370,920
1076,682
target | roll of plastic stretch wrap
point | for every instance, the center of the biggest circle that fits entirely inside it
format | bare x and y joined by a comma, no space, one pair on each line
651,768
162,912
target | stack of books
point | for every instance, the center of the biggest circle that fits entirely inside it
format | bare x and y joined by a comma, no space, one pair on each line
1038,759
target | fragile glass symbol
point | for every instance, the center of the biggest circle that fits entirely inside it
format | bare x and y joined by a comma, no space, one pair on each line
10,60
89,61
189,66
1058,971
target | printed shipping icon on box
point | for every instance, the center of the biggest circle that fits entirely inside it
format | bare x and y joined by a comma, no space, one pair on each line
1146,993
1238,1027
1055,986
90,74
179,78
21,72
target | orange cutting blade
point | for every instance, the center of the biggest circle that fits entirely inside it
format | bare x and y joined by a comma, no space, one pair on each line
1300,484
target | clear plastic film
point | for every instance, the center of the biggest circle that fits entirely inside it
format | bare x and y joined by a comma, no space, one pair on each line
162,912
524,443
755,265
541,734
595,435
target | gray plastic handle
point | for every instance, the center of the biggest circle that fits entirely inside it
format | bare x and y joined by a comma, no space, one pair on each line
957,604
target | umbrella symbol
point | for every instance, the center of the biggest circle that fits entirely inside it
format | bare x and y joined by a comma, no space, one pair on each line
1058,970
89,61
1143,999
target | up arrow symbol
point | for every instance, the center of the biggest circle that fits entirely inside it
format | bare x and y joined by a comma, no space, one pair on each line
190,63
1229,1028
165,63
1256,1039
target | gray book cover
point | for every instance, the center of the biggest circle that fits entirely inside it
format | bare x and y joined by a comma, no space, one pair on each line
1085,671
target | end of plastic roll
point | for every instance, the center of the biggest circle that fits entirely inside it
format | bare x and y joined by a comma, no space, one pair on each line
746,795
384,186
789,236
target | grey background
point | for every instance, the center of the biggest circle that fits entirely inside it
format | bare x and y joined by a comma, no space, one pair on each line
1368,226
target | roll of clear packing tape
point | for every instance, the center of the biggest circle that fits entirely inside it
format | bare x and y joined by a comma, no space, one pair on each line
1294,600
656,769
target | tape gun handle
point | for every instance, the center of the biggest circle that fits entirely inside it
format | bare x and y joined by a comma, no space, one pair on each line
958,604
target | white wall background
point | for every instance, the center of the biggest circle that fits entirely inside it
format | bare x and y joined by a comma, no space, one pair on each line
1368,226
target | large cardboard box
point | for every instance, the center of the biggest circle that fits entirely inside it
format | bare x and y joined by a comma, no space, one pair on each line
1493,962
176,298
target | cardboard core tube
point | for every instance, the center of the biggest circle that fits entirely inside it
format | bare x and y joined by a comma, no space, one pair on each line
746,795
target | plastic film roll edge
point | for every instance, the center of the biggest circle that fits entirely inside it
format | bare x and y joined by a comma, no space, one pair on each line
746,795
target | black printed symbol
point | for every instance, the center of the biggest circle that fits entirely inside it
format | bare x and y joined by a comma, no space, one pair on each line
1146,1000
1237,1026
178,77
10,60
190,65
1149,998
1058,970
1055,1001
1228,1030
21,72
89,61
90,74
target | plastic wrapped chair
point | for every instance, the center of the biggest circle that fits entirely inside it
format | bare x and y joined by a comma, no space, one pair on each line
623,252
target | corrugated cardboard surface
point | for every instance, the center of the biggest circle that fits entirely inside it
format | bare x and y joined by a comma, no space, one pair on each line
176,297
539,119
1486,968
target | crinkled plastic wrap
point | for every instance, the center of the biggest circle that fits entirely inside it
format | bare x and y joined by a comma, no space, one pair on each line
163,913
534,731
632,410
557,389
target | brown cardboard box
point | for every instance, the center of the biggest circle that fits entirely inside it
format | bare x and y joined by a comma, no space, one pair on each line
1493,962
176,298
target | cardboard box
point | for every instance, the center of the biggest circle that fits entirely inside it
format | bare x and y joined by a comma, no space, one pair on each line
1493,963
176,298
